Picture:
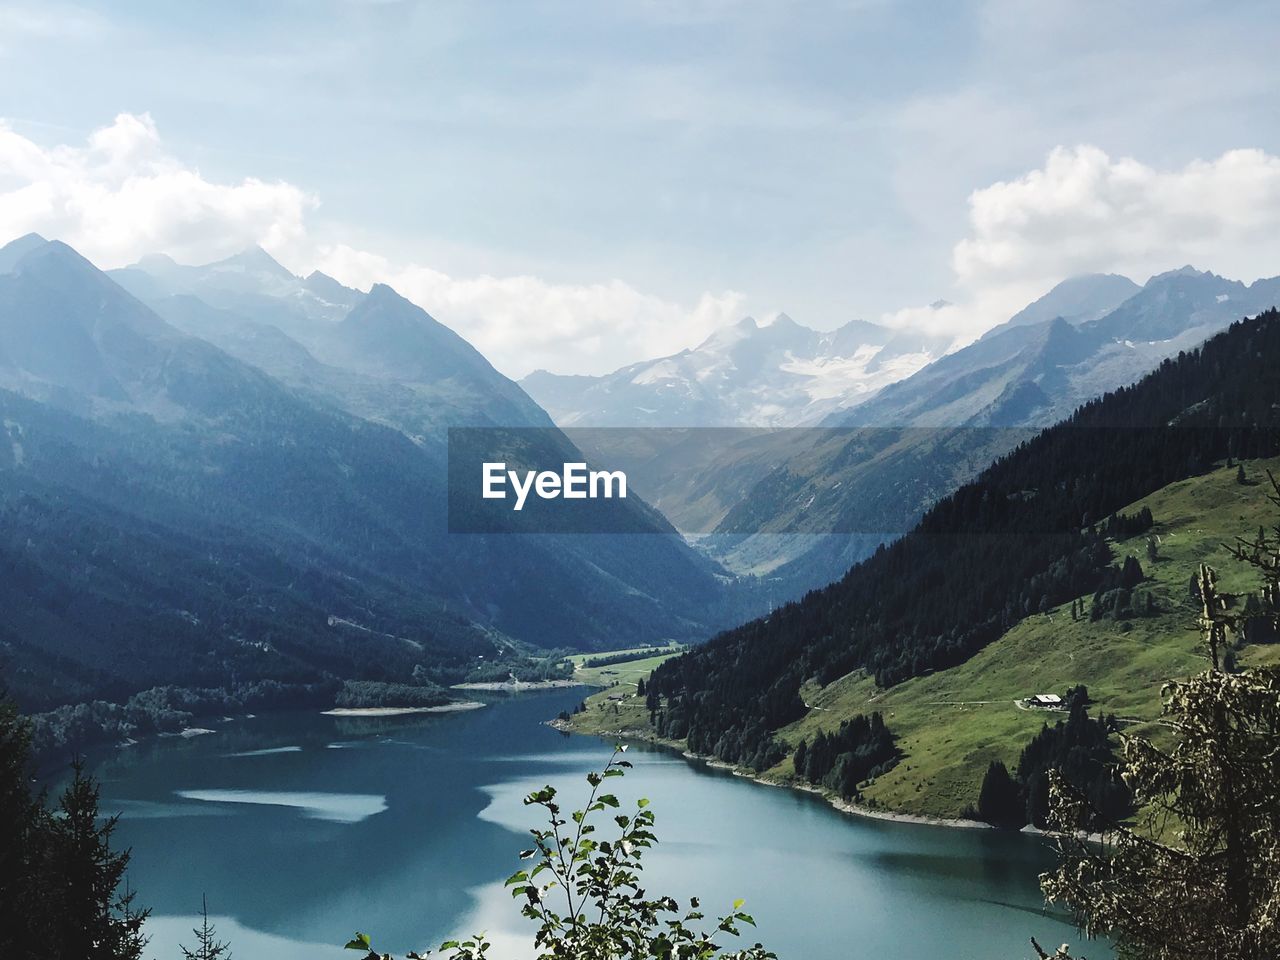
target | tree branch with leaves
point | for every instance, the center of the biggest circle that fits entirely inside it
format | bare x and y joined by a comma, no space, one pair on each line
586,894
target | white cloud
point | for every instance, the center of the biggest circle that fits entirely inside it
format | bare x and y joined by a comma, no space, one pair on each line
522,323
121,196
1084,212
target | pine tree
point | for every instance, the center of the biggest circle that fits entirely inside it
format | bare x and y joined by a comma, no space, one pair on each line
95,920
1211,890
1000,801
208,946
799,757
1240,475
21,817
1131,573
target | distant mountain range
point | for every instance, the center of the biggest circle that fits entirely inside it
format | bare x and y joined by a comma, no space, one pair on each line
1028,534
227,474
770,500
1031,372
243,480
779,374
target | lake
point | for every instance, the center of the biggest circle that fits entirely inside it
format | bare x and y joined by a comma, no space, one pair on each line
302,828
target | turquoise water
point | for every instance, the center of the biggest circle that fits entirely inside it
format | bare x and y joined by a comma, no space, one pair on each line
301,829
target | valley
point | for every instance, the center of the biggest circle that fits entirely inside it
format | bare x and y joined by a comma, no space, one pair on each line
950,724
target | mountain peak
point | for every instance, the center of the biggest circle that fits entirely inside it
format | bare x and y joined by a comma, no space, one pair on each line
327,288
15,250
384,293
157,264
1079,299
27,241
59,256
255,260
319,276
1184,271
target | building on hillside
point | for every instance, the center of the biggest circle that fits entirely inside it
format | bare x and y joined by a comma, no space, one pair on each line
1044,701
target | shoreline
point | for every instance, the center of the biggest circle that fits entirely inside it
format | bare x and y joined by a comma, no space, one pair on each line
401,711
518,686
837,803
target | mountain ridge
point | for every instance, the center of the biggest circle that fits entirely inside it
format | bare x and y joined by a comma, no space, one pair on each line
234,470
745,374
1021,537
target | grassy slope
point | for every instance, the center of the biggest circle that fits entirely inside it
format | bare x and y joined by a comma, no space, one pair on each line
951,724
610,716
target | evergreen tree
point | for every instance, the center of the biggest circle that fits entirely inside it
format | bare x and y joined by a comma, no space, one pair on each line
95,921
1131,573
208,946
1240,475
1000,800
1211,891
1214,893
799,758
21,820
61,894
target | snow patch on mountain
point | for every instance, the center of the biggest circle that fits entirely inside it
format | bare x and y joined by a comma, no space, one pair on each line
772,374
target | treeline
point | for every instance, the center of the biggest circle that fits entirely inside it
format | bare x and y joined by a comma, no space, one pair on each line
1117,597
59,733
1121,526
370,693
1025,536
861,749
63,894
552,666
1080,749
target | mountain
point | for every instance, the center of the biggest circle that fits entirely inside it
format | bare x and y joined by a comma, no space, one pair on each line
1076,299
176,514
377,355
799,507
876,467
1027,535
751,375
1033,373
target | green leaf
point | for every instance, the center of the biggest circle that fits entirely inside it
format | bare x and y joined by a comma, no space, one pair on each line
359,942
737,905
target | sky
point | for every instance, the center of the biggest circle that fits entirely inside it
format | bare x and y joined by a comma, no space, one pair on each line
579,185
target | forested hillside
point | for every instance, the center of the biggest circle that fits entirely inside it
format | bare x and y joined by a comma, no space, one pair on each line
173,514
1025,536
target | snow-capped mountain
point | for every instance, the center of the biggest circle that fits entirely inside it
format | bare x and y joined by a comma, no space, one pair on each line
749,374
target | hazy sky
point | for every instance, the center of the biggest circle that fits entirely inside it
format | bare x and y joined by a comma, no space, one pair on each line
580,184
